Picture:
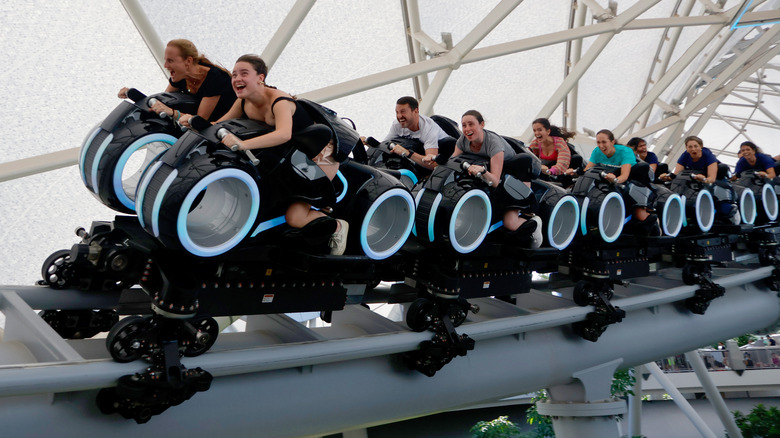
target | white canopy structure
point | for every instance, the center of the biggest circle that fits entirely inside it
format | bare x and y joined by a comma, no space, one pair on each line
659,69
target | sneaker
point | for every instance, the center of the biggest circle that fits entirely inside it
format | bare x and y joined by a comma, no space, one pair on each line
338,241
537,237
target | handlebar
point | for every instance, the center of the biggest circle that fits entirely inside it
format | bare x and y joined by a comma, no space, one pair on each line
153,101
222,133
465,166
614,182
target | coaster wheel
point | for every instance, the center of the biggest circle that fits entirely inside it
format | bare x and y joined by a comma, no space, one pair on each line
57,270
204,334
128,339
582,293
419,316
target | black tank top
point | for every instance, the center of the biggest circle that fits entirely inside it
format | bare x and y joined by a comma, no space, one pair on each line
301,119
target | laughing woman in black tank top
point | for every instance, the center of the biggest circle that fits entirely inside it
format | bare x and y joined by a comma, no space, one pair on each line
276,108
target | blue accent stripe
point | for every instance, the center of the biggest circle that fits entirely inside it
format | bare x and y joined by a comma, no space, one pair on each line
736,24
409,174
141,191
432,216
583,216
96,162
343,193
83,154
158,202
267,225
495,226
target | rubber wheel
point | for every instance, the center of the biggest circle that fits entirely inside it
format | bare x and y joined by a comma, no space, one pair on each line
690,274
418,317
207,326
105,401
127,340
55,269
581,293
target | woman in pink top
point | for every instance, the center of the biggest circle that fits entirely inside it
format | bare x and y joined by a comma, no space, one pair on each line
550,146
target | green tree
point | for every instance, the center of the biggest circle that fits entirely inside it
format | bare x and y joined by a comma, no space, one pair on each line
501,427
759,423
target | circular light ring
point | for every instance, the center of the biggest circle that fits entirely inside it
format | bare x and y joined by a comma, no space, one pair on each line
432,216
701,209
96,161
417,198
605,216
181,221
584,216
84,149
159,199
674,203
747,206
140,192
566,208
769,200
117,182
391,195
452,231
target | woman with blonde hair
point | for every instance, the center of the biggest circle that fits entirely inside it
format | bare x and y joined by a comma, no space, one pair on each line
193,73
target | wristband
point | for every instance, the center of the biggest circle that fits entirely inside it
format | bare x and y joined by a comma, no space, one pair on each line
409,154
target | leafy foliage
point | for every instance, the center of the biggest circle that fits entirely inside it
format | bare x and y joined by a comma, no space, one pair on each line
501,427
543,423
759,423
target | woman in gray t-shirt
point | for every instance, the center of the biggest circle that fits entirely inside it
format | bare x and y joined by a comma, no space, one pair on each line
477,141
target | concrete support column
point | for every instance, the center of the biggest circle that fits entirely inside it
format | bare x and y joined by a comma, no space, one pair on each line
635,404
585,407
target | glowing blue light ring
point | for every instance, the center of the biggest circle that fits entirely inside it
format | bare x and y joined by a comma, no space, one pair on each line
698,216
96,162
140,192
451,228
181,220
83,155
745,220
610,195
432,216
267,225
119,190
673,198
381,255
158,202
417,198
773,197
568,199
584,216
685,216
344,183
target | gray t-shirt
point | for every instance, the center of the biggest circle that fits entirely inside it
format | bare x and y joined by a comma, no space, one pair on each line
429,133
491,145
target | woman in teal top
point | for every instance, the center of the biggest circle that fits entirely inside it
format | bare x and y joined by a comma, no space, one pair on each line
610,154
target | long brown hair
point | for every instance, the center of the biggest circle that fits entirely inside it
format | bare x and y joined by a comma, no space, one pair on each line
187,49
